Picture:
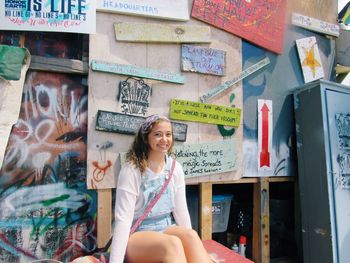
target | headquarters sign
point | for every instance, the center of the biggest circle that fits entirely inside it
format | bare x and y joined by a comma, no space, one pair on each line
78,16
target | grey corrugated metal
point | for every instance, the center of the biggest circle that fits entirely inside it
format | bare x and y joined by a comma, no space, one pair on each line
322,200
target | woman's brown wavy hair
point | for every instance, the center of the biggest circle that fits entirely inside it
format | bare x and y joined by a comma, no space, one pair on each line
138,151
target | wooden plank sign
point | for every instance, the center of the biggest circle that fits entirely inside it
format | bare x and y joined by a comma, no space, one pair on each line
310,59
137,71
165,9
218,89
207,158
128,124
315,24
165,33
203,60
260,22
207,113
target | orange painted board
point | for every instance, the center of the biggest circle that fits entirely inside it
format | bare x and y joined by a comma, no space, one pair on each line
260,22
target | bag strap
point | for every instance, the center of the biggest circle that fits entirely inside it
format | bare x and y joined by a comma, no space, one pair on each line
154,201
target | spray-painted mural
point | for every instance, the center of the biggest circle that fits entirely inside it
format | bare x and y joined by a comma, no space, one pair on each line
45,209
275,83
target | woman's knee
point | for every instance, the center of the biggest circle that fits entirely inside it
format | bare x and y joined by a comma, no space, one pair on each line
173,245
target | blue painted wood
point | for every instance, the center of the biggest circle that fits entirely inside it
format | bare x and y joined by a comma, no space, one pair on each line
137,71
203,60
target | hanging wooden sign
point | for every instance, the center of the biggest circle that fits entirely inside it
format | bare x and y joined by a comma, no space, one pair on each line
137,71
260,22
315,24
128,124
218,89
207,113
310,59
134,96
207,158
165,9
264,135
163,33
203,60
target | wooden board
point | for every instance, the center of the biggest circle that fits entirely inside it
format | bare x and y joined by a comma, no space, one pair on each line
222,253
203,60
260,22
146,32
165,9
310,59
207,158
325,10
128,124
59,65
315,24
245,73
137,71
206,113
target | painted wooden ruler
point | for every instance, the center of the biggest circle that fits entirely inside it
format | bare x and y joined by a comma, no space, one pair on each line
137,71
146,32
218,89
314,24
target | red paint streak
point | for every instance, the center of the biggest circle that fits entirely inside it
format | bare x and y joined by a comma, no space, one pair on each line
264,154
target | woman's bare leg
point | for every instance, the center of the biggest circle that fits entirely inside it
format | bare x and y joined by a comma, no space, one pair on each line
192,244
153,247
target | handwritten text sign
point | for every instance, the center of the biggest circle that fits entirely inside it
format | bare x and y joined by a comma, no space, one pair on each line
218,89
161,33
127,124
166,9
315,24
207,158
203,60
260,22
77,16
137,72
207,113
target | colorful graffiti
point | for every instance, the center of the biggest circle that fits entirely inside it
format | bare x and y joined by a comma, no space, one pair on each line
45,209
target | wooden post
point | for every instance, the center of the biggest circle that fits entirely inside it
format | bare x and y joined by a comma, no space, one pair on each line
261,221
205,216
104,216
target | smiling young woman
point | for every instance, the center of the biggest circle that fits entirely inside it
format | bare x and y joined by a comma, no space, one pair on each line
165,234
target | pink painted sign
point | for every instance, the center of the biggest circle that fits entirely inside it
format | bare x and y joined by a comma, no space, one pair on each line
260,22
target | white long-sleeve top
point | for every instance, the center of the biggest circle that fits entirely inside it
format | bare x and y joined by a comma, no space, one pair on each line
129,201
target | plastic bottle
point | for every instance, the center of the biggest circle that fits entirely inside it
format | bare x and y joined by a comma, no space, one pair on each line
235,248
242,245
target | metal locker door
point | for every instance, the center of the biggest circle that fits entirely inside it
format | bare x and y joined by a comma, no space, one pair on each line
338,121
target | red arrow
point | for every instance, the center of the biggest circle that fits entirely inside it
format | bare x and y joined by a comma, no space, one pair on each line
264,154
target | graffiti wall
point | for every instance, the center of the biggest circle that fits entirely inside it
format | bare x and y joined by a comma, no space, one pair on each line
276,83
45,209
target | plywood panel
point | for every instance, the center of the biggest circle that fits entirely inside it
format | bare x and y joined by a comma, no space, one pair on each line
325,10
103,91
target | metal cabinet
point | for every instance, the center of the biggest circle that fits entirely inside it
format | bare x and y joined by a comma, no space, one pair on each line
322,116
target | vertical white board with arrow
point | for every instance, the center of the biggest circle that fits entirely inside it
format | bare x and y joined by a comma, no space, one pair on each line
264,135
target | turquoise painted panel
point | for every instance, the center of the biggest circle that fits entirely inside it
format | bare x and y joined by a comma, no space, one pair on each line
137,71
207,158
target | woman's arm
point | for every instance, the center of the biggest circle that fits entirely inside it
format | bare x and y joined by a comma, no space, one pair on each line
181,214
126,196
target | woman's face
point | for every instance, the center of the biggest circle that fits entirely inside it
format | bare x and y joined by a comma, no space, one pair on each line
160,138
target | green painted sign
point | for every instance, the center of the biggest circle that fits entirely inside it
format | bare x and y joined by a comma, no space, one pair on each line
207,158
207,113
129,70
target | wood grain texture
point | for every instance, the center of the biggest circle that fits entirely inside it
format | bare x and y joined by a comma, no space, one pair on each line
160,33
